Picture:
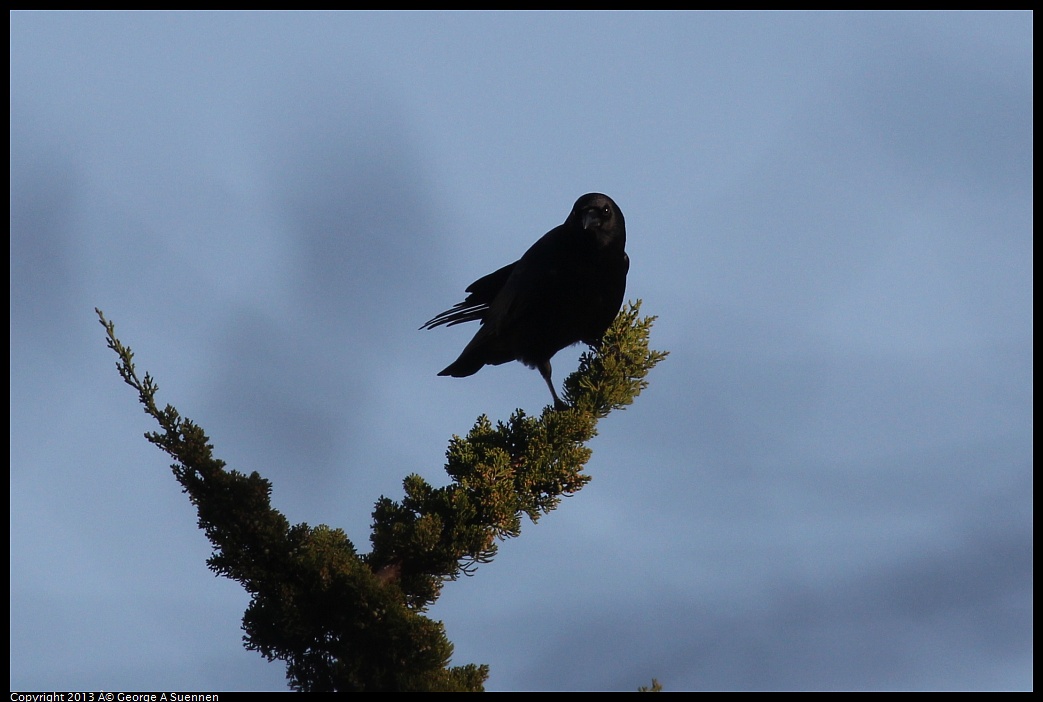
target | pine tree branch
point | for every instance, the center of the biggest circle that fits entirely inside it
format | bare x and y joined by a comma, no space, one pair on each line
342,621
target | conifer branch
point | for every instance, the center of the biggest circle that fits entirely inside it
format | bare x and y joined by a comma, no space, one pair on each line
344,621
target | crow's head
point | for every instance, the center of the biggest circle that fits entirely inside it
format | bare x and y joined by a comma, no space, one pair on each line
599,215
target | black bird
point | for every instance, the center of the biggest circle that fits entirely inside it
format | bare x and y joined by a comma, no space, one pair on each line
567,288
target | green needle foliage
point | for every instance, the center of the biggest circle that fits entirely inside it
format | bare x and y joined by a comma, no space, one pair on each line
347,621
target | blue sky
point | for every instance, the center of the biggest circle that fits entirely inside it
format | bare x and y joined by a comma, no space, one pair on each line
828,483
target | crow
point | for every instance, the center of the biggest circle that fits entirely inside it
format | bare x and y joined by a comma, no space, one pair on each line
567,288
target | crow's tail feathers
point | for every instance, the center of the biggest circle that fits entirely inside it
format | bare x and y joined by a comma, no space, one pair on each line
462,367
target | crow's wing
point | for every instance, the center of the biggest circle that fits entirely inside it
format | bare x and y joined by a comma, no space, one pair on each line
474,307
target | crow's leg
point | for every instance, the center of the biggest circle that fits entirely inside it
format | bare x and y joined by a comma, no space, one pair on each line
544,368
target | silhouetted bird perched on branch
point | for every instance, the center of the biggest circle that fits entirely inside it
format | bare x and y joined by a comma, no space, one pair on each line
568,287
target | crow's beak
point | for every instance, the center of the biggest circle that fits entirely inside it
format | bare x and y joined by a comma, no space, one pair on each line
591,219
